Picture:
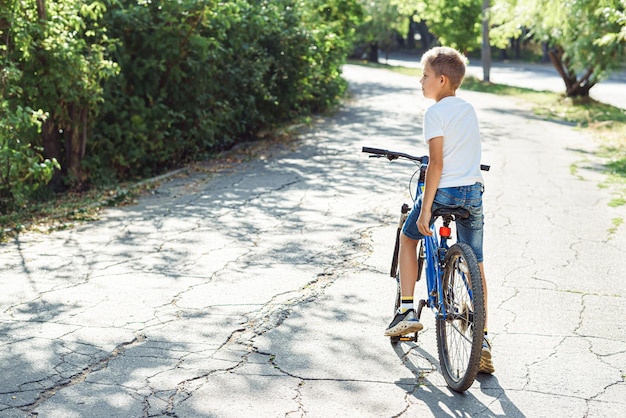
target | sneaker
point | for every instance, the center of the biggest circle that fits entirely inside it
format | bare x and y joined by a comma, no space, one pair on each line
486,365
403,323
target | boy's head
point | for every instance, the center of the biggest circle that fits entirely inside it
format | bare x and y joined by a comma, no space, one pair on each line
448,62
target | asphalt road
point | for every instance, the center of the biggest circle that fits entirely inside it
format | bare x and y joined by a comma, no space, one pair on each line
534,76
262,289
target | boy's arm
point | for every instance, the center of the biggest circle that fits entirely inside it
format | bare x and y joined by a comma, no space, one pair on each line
433,175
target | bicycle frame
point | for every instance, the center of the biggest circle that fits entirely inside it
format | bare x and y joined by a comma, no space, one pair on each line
435,248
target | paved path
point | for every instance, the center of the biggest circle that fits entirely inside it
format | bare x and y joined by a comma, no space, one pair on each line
534,76
263,291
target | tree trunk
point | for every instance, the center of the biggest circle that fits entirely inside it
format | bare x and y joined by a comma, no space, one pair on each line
372,56
517,48
545,50
41,11
410,38
75,144
425,35
52,149
574,87
4,29
486,46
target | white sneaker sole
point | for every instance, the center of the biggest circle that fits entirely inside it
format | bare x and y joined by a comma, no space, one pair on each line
486,365
403,328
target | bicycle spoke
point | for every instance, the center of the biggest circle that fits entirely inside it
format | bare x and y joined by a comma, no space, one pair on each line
457,331
460,332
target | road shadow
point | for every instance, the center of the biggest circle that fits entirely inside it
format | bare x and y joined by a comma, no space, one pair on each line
444,402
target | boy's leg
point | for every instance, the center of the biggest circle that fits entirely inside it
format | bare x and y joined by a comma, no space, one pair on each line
486,363
408,265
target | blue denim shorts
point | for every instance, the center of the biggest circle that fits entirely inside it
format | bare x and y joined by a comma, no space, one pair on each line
469,231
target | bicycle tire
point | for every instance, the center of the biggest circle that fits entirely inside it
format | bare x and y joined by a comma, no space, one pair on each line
396,253
421,256
395,273
404,210
460,334
398,299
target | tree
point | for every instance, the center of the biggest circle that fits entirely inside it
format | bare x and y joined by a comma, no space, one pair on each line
585,38
380,27
455,23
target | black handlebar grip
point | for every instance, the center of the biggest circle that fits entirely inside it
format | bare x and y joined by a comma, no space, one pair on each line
485,167
377,151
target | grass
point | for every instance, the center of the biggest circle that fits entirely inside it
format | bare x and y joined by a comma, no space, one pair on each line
606,123
616,223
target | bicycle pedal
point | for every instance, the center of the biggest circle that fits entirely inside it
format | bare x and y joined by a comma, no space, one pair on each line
405,338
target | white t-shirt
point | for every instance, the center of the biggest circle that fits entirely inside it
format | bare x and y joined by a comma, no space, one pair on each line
455,120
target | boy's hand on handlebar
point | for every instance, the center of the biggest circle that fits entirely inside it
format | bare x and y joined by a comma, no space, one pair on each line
423,222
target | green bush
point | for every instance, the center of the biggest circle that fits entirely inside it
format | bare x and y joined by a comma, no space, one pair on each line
23,169
198,77
132,88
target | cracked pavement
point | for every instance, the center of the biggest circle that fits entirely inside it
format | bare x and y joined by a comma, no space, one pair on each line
264,289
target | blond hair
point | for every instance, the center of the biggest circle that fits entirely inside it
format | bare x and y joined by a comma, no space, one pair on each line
446,61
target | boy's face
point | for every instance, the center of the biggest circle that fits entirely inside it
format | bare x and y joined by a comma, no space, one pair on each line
432,84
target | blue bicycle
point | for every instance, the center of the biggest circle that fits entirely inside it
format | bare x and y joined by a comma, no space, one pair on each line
453,282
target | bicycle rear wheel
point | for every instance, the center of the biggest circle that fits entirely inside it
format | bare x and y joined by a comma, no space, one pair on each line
461,320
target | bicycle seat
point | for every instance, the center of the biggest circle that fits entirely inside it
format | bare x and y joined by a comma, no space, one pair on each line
457,212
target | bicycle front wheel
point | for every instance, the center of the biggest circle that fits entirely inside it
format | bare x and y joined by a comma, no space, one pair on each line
461,318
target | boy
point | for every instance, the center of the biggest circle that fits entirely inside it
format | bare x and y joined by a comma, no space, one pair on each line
453,179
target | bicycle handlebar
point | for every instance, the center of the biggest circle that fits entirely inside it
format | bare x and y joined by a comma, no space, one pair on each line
393,155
